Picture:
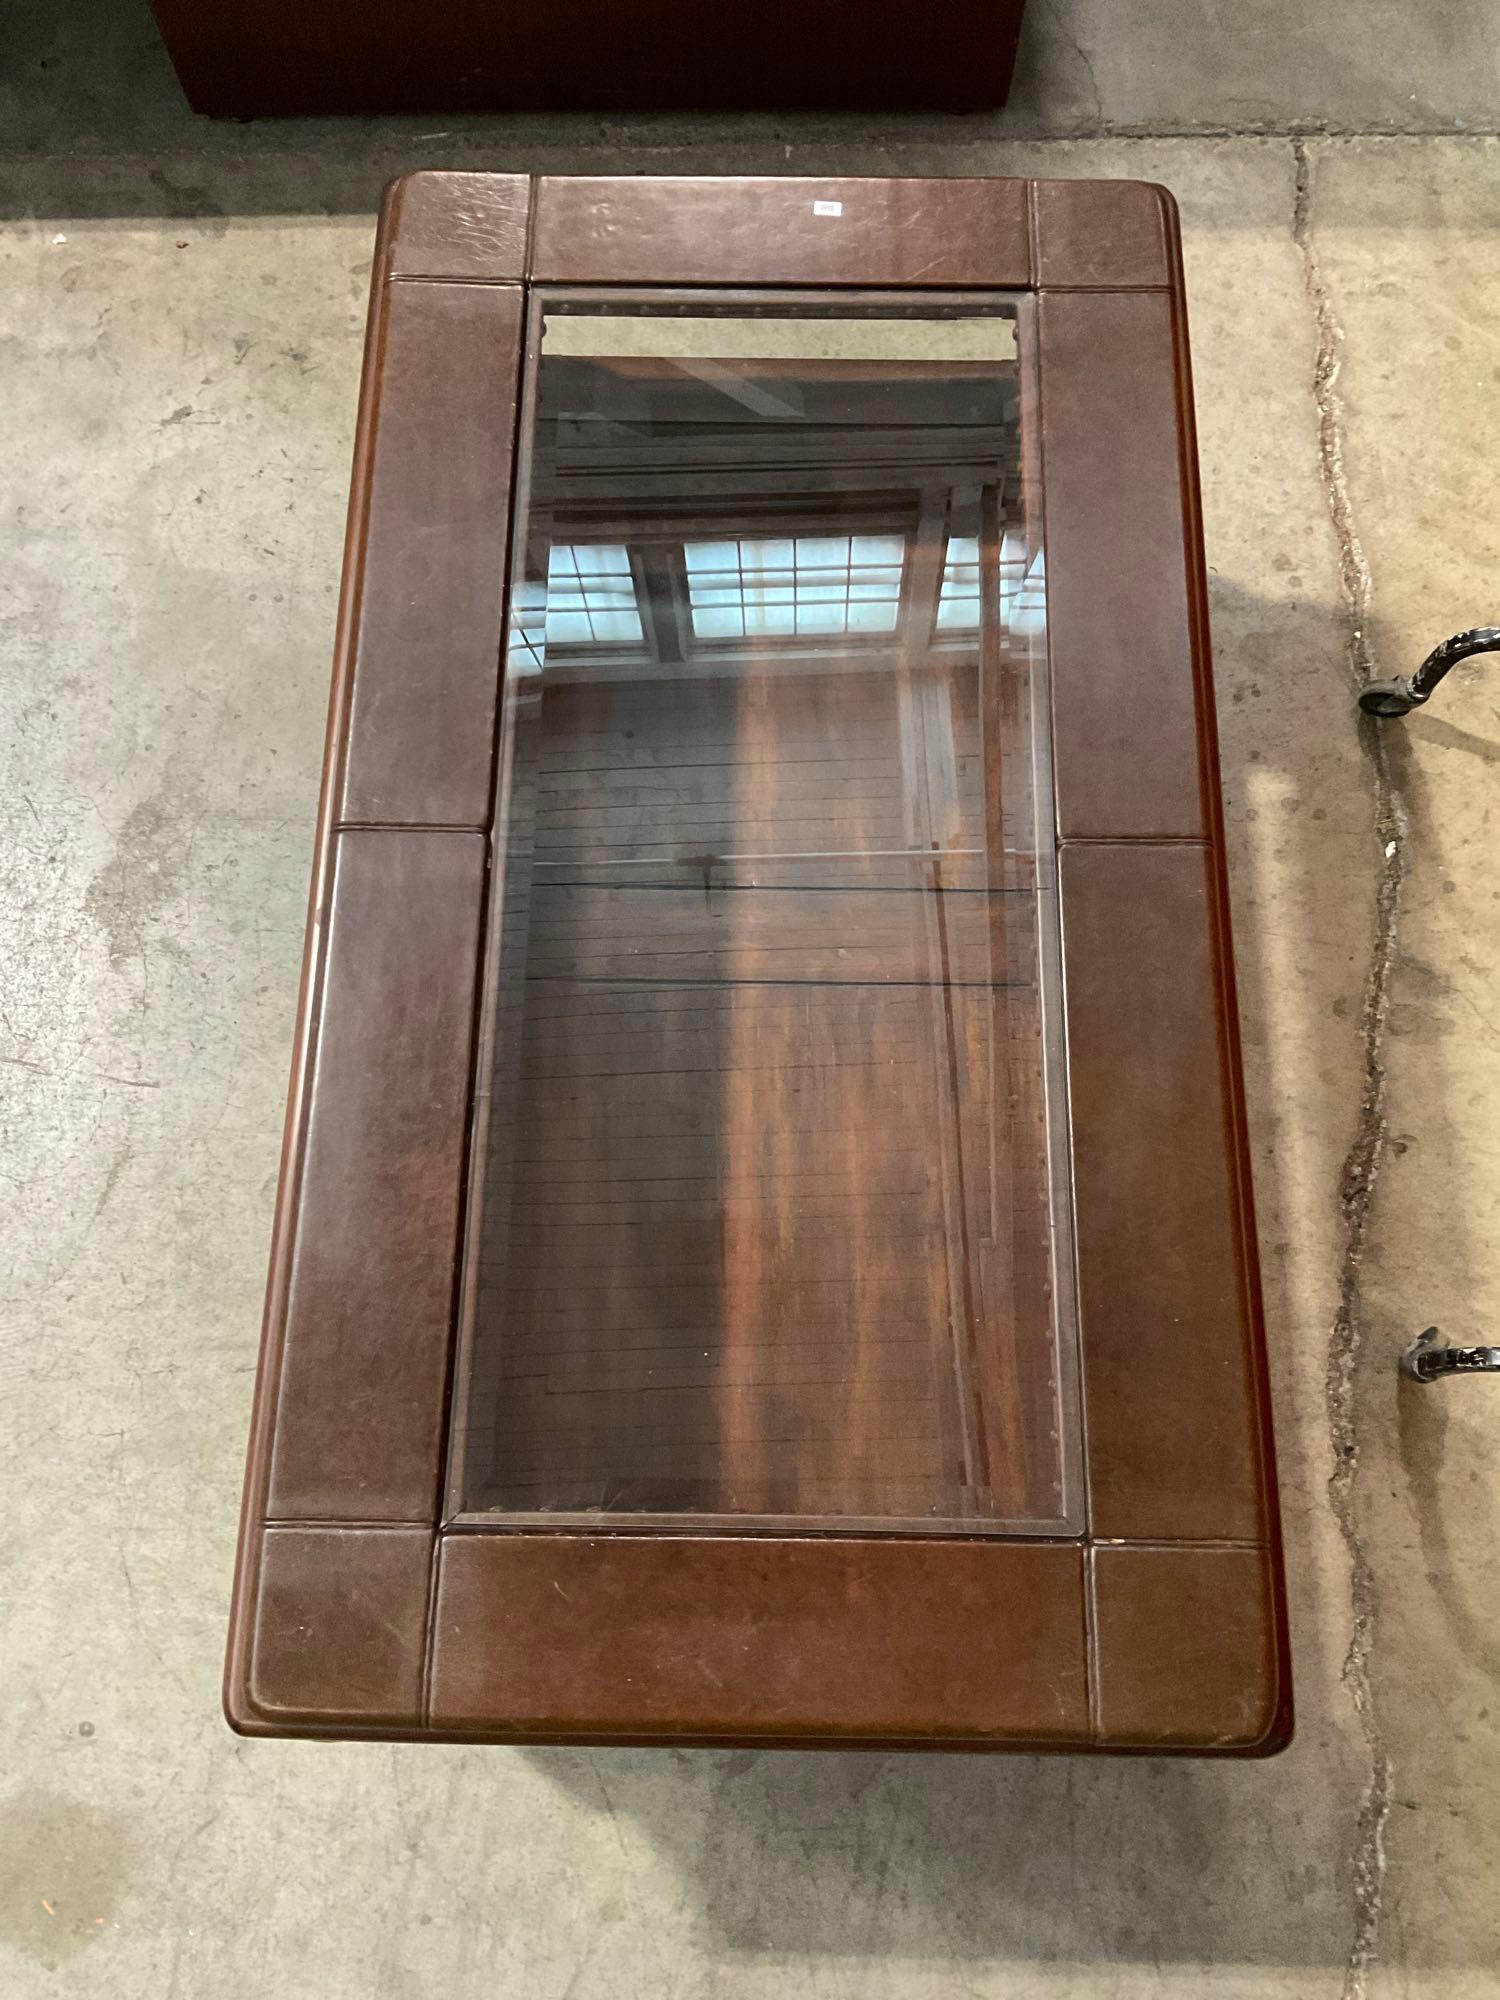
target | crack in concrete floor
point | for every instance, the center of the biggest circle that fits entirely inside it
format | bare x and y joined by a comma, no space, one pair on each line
1367,1151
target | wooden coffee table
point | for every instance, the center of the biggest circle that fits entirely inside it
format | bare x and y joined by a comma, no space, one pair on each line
765,1252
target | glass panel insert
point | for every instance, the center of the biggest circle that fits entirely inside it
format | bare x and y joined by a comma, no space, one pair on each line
768,1217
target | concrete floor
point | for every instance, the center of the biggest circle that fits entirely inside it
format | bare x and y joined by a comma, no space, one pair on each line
180,313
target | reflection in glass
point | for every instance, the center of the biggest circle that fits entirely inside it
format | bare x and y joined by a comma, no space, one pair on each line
590,594
764,1218
958,601
810,583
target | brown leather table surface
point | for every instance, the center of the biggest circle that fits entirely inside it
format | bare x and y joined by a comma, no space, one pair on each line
765,1249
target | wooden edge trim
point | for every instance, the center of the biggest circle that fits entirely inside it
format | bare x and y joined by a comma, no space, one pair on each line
1195,554
1115,234
1225,1689
455,225
1127,626
616,229
288,1191
782,1638
1121,990
336,1633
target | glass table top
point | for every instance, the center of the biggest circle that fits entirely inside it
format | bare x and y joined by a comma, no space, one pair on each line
768,1214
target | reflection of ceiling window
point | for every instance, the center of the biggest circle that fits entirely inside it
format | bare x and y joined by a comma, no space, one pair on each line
1018,585
803,583
528,626
590,595
958,600
1026,612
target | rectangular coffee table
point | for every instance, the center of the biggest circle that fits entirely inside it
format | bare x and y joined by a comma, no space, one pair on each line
765,1250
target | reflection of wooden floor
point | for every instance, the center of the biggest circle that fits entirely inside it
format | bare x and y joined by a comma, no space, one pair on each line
750,1242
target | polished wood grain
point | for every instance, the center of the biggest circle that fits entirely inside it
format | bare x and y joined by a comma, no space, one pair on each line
752,1260
448,225
1174,1377
429,561
1127,638
360,1403
339,1630
661,230
1096,234
764,1224
761,1638
1222,1682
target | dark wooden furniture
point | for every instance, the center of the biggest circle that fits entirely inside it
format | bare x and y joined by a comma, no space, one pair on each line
280,58
765,1250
